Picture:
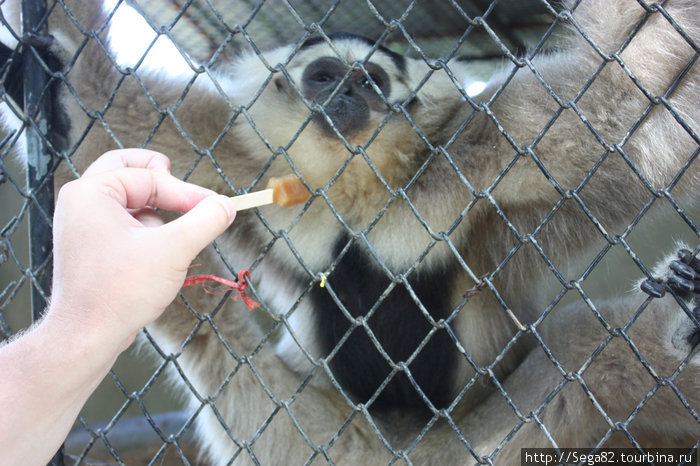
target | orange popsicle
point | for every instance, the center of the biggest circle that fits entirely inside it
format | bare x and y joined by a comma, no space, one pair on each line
288,190
284,191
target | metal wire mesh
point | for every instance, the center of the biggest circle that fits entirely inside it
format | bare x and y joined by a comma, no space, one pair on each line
206,32
268,24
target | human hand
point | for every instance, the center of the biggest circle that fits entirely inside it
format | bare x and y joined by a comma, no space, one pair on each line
116,264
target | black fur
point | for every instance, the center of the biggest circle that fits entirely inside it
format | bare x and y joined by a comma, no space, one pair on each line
12,81
398,325
684,280
11,66
399,60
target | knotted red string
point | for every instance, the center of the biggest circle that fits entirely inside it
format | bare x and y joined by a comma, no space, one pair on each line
230,285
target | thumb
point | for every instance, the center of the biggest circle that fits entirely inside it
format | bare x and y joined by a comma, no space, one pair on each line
194,230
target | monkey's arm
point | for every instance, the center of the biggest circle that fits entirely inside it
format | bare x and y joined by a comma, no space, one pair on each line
577,143
596,384
109,105
622,92
638,380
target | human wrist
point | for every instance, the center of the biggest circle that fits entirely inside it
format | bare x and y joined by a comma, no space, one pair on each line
84,334
53,372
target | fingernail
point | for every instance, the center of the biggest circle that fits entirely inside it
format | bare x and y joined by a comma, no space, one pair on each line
229,205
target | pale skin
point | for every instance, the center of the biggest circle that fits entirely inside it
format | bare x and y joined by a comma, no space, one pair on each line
116,267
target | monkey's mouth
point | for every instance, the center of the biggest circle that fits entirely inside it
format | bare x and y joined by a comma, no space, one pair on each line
348,116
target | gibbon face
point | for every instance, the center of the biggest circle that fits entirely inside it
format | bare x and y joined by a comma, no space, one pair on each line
345,96
340,102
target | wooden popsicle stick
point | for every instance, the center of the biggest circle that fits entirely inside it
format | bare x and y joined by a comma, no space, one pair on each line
284,191
250,200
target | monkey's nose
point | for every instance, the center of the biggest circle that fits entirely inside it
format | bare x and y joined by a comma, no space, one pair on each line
347,89
347,111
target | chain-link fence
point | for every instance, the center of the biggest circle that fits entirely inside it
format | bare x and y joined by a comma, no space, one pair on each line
134,418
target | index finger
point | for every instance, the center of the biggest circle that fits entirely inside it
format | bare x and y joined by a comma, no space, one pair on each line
129,158
134,188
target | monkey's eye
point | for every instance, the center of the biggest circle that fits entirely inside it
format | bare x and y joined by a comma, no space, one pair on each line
321,77
367,84
376,75
323,72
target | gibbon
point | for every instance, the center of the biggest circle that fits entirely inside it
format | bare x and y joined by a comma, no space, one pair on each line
412,308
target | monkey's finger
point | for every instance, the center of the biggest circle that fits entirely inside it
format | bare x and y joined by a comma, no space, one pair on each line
684,270
653,288
194,230
129,158
683,285
687,257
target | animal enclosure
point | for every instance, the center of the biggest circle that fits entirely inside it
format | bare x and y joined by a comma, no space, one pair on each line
136,417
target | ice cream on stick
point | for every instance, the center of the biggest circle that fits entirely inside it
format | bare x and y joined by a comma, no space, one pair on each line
284,191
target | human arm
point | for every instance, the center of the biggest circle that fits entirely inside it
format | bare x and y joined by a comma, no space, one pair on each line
116,267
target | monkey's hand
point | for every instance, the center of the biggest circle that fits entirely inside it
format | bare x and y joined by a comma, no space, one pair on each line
682,277
57,49
13,50
16,47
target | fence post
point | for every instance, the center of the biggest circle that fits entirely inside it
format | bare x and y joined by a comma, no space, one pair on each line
37,105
